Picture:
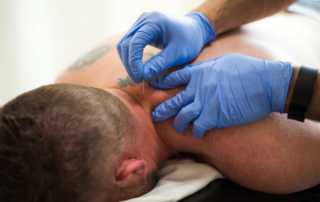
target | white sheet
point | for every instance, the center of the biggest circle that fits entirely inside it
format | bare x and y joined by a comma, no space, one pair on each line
179,178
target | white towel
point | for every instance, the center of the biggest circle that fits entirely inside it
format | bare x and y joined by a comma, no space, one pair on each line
179,178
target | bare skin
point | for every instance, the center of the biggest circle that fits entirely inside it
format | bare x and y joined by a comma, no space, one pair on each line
226,15
253,155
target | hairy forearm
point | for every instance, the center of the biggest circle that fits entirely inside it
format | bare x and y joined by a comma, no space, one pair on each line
313,111
225,15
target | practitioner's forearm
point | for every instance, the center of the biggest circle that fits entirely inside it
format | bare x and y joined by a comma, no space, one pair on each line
226,15
313,111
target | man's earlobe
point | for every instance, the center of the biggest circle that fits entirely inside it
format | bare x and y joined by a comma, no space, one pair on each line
131,170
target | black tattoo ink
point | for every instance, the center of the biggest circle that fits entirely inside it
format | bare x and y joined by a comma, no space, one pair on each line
90,58
123,83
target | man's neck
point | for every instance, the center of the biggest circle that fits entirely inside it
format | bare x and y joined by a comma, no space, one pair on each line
174,141
166,141
185,142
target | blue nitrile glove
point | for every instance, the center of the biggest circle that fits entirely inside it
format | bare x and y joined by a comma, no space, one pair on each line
230,90
180,37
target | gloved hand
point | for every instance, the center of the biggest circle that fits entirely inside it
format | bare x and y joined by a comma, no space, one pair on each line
180,37
230,90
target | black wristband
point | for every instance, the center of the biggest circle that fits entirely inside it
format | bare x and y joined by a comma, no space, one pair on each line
302,93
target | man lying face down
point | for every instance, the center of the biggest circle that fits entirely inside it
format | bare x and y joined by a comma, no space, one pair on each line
63,138
96,141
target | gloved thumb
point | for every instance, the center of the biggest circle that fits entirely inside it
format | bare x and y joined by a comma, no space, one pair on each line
158,63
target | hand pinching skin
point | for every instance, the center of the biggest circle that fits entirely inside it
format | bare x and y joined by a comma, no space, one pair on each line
180,37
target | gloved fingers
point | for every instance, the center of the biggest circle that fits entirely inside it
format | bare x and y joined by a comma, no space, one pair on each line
124,50
158,63
190,65
206,121
142,18
178,78
145,35
173,80
170,107
123,44
186,116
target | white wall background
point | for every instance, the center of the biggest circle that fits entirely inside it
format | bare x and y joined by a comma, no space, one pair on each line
39,38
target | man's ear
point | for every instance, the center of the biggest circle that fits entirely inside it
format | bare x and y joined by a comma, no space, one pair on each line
130,172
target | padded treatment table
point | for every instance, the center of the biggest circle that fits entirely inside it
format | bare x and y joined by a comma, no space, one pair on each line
223,190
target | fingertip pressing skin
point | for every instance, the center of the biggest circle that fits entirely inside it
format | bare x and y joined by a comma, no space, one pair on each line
156,117
164,110
160,113
173,80
197,133
185,117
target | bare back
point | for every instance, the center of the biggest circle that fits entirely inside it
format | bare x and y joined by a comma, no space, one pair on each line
256,154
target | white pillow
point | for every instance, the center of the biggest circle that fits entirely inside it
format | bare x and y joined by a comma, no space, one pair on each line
179,178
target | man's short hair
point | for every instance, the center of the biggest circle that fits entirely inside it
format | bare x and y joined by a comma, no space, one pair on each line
51,140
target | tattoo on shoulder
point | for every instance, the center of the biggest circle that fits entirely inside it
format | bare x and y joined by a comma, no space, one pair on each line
90,58
123,83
